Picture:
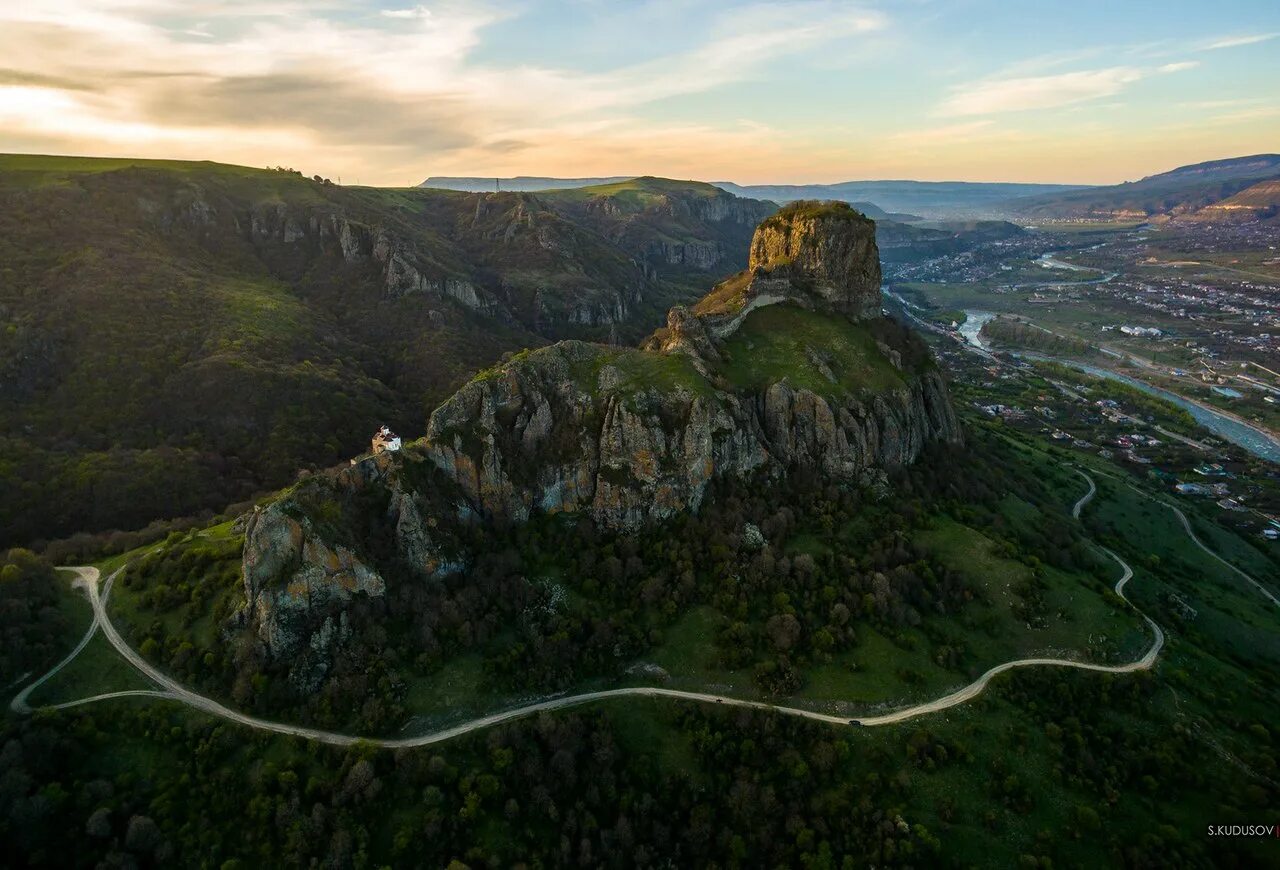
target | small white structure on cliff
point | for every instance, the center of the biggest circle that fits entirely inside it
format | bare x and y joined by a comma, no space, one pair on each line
385,441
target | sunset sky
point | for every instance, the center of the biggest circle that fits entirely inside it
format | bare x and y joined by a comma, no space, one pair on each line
809,91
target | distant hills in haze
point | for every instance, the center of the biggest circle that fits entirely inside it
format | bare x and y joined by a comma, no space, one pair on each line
520,183
1258,202
1199,192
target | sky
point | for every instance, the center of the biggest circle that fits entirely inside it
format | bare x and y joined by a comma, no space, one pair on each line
807,91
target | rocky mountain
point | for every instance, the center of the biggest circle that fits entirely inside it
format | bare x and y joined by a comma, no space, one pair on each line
175,336
1166,195
787,365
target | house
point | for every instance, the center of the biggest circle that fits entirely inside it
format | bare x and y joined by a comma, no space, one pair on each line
385,441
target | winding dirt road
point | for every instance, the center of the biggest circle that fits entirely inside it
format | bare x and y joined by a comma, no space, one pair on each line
168,688
1186,525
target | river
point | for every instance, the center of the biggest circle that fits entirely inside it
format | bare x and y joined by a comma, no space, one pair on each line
1255,441
971,329
1048,261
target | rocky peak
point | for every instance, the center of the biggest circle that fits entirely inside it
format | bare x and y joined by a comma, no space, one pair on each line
826,249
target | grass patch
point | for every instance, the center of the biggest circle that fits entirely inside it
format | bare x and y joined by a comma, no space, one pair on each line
829,355
98,669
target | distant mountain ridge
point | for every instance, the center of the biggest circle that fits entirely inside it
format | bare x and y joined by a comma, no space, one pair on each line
930,199
1165,195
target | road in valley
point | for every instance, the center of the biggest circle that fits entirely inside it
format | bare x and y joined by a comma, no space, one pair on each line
89,578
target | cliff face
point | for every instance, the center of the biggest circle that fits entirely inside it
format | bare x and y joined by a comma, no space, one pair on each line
628,436
576,428
302,564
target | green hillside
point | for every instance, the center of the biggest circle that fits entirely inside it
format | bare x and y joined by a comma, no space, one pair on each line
176,335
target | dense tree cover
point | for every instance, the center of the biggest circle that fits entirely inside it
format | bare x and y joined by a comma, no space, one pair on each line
558,600
1133,400
1055,769
556,791
1005,332
33,625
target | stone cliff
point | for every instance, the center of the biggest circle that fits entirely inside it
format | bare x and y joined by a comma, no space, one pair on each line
783,367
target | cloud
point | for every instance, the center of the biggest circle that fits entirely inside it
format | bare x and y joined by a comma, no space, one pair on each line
992,96
1218,104
1257,113
328,106
375,96
1237,41
1024,93
15,77
414,12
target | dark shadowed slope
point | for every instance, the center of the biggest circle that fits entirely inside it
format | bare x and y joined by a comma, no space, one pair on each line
177,335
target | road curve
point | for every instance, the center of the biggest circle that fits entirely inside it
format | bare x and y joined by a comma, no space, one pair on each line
1087,497
19,702
106,696
172,690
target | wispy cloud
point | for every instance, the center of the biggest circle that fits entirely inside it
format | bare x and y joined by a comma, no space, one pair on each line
1237,41
1024,93
413,12
1246,115
993,96
946,133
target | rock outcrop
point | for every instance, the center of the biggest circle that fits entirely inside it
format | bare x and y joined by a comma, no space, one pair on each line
299,574
627,436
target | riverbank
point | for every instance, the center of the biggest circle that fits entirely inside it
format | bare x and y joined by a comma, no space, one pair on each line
1260,442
